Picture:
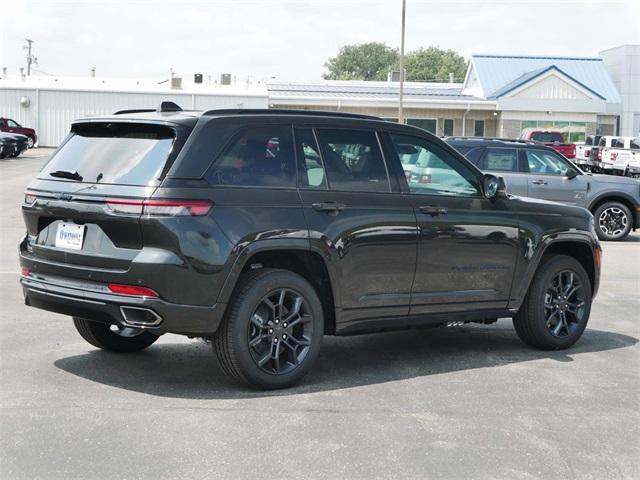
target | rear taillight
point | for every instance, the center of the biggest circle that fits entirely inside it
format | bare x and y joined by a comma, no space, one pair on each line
163,208
614,155
599,154
132,290
29,198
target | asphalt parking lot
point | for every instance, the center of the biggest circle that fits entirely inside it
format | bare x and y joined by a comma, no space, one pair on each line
465,402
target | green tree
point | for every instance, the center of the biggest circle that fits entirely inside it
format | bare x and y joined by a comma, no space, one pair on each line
434,64
367,61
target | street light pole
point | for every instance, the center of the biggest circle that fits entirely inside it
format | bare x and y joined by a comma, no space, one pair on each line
400,106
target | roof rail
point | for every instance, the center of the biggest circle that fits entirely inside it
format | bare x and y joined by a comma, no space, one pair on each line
164,107
276,111
498,139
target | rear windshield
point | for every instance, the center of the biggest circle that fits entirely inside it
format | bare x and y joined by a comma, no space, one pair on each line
121,153
547,137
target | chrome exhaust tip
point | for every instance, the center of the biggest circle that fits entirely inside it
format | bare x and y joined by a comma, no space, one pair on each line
139,317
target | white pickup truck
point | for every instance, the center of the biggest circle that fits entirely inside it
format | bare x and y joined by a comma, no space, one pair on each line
626,161
583,152
620,147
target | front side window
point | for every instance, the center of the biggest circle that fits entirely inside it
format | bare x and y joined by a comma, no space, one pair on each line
502,159
260,156
353,161
542,162
431,170
12,124
310,162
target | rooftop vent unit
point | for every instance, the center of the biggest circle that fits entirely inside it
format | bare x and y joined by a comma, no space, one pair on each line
197,78
393,76
176,83
225,79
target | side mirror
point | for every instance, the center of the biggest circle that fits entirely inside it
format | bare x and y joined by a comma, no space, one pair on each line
494,187
571,173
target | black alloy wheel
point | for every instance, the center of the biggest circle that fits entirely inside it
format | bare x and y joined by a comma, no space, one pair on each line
564,303
280,331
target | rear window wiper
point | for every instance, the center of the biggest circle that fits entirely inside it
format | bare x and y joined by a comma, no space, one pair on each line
70,174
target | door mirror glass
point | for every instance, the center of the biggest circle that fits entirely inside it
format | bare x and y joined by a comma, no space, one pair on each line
494,187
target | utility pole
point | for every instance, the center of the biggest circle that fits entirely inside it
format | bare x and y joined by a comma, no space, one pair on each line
400,106
31,59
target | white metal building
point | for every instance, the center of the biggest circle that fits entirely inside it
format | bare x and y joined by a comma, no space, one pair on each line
50,104
623,63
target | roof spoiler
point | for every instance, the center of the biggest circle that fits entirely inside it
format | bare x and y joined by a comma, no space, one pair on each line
164,107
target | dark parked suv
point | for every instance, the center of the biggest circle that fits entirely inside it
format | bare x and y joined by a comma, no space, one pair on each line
262,230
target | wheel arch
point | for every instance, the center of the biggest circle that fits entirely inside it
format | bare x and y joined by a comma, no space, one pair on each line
296,257
578,246
619,197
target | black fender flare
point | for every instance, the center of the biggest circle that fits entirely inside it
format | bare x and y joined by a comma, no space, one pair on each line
246,252
543,246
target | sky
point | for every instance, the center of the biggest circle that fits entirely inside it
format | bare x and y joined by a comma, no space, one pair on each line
291,40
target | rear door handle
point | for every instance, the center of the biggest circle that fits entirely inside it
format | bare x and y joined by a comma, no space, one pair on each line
539,182
329,207
433,210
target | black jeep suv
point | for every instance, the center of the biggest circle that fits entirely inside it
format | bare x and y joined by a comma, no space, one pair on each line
263,230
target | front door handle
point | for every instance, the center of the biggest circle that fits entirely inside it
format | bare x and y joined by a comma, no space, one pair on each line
329,207
433,210
539,182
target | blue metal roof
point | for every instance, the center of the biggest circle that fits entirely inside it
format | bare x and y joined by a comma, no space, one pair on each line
497,72
361,90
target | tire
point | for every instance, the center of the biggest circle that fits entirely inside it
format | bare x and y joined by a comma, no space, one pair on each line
250,319
30,142
101,335
536,324
613,221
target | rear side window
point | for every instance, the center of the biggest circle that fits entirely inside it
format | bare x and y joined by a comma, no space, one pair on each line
618,143
635,143
589,140
353,161
502,159
117,153
260,156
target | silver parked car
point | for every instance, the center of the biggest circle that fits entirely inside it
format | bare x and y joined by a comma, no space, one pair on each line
532,170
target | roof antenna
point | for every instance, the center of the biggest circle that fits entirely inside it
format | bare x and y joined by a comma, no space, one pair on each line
169,107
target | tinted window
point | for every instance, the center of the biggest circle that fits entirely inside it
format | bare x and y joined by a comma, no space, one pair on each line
310,163
542,162
502,159
353,161
547,137
618,143
428,124
120,153
12,124
474,155
430,169
258,156
447,130
635,143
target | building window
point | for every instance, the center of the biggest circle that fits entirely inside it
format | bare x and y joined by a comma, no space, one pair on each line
478,128
447,129
428,124
572,132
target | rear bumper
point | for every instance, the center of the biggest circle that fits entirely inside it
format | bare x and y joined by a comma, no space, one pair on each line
56,296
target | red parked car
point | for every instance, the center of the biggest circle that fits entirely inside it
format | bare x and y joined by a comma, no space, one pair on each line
551,138
11,126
